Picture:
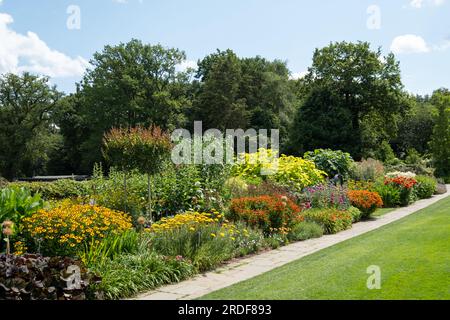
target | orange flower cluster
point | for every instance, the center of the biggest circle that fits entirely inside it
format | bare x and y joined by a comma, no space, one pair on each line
269,212
401,181
366,201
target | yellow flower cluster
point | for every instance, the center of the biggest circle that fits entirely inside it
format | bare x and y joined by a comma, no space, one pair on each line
192,219
19,248
71,225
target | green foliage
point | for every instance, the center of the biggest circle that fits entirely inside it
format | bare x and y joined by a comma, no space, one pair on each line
389,193
385,153
367,170
109,248
426,187
355,213
128,274
348,88
208,246
129,84
440,143
33,277
137,148
18,203
234,92
332,220
415,128
332,162
27,135
57,190
304,231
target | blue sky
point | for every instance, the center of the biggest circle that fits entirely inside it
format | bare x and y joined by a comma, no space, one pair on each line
34,35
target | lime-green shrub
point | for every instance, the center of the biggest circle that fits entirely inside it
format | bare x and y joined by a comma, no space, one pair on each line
290,171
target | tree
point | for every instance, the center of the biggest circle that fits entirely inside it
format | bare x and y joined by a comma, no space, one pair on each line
440,143
27,132
243,93
415,128
129,85
347,83
218,103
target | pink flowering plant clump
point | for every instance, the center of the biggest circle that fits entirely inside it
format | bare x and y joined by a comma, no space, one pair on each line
325,196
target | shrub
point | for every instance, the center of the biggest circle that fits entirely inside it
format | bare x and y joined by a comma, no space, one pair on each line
355,213
361,185
405,185
332,220
67,229
290,171
367,169
177,189
270,213
297,173
325,196
17,204
390,194
426,187
56,190
367,202
332,162
271,188
236,187
305,230
33,277
137,148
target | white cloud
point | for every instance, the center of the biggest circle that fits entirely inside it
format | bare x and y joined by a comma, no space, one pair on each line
19,53
421,3
298,75
186,64
409,43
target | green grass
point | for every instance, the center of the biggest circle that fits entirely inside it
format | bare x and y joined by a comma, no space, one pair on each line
413,254
383,211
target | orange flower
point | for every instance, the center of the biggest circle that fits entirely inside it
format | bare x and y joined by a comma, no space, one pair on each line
366,201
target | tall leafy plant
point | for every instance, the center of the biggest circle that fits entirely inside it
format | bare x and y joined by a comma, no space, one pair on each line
18,203
138,148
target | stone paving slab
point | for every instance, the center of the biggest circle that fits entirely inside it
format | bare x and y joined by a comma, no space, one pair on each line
249,267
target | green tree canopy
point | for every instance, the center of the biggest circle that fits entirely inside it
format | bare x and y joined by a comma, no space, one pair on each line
27,133
131,84
346,84
440,143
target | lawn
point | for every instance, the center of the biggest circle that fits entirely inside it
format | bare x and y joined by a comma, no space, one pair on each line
413,254
383,211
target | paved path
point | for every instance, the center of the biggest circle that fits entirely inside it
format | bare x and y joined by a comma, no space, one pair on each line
249,267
